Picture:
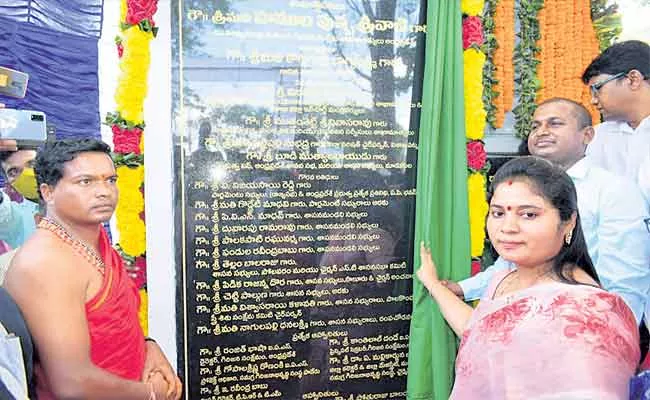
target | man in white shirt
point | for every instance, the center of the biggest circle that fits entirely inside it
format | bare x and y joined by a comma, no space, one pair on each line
619,80
612,210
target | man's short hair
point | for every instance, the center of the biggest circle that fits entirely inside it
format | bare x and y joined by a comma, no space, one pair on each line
51,158
620,57
582,114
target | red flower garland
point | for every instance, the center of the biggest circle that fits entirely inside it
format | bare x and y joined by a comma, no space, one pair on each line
476,155
119,46
140,10
476,267
472,32
126,141
138,271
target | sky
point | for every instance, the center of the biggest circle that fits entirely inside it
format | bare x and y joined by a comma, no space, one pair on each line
635,15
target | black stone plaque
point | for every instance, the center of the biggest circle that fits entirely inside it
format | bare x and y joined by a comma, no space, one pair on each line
296,145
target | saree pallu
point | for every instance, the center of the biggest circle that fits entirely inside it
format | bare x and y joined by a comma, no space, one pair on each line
550,341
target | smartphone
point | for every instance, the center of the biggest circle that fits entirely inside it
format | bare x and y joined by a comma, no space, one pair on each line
27,128
13,83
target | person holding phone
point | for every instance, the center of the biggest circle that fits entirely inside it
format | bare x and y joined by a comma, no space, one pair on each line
8,145
13,84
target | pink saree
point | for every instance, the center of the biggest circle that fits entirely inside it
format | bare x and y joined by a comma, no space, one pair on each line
550,341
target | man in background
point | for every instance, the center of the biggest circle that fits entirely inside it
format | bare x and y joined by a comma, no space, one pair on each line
19,199
612,209
619,80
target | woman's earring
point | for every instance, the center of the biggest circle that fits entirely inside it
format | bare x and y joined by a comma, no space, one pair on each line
568,237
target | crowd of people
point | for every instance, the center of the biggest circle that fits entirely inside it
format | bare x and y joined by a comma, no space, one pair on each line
563,312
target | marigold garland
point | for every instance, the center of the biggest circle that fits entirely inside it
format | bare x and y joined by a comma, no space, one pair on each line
474,64
134,66
478,208
127,125
504,73
472,7
568,43
475,114
142,313
131,204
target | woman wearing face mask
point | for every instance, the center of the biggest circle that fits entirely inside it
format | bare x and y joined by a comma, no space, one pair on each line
19,197
545,330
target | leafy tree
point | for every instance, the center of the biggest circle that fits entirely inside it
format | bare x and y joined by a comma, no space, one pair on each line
607,22
384,85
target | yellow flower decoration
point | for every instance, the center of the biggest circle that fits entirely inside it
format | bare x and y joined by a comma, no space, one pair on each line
132,236
478,208
129,98
142,313
472,7
131,204
134,66
123,9
475,114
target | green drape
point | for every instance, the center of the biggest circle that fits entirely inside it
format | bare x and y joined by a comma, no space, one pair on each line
442,218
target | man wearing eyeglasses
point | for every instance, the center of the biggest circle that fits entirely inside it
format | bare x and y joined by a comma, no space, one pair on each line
619,80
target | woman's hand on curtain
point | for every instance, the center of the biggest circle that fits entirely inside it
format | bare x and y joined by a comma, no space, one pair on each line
453,309
428,273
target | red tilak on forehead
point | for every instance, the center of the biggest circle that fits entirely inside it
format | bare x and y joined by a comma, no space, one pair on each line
508,208
509,183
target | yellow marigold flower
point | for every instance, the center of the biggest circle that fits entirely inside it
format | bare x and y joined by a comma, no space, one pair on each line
472,7
478,208
143,312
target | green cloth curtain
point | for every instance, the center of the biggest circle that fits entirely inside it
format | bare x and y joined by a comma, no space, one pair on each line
441,216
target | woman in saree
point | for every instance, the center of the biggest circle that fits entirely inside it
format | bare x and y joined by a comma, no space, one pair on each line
545,329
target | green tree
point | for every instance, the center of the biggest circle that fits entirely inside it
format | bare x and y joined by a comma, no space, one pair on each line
606,21
384,85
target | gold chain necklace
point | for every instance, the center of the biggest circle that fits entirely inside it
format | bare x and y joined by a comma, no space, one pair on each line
515,280
80,246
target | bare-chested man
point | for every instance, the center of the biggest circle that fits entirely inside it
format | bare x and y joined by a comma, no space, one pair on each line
77,299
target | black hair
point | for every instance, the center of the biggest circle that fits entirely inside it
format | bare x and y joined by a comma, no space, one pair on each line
51,158
4,155
620,57
554,185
